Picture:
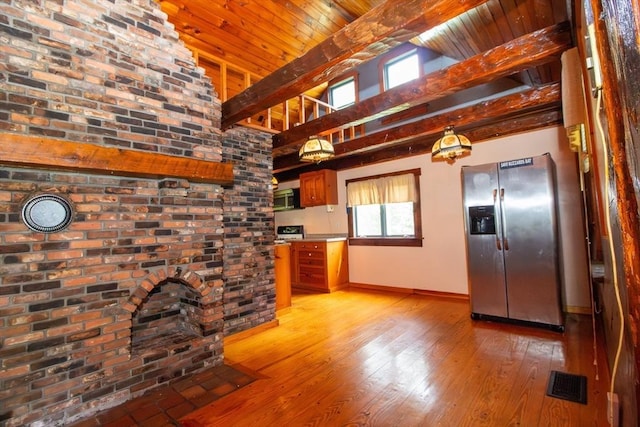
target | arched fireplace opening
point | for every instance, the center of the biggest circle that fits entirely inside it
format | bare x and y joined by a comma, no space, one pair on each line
176,327
167,320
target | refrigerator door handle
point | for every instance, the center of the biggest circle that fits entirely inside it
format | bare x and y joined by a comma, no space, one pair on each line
495,197
505,240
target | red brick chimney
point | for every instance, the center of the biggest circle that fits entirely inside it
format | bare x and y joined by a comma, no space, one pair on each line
167,263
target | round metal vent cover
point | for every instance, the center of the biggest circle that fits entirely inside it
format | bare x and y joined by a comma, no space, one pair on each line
47,213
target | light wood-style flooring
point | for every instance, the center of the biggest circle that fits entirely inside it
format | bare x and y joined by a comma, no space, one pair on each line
367,358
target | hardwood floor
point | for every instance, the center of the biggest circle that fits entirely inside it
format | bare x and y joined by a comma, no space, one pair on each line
366,358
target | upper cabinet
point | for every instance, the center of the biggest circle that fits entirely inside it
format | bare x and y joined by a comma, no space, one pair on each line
319,188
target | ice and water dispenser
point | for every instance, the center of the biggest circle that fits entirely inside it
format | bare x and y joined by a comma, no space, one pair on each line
482,220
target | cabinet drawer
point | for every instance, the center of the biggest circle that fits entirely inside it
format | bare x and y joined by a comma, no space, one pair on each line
312,246
312,274
308,257
312,262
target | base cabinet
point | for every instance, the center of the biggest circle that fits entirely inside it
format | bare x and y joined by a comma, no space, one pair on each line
319,266
283,276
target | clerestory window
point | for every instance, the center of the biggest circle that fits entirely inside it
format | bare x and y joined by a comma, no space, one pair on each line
401,69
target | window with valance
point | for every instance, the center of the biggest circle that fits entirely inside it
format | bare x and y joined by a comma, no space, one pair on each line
385,210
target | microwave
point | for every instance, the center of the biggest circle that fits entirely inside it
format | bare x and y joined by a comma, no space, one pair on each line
287,199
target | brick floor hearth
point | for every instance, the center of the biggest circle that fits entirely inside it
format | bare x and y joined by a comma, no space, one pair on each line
164,405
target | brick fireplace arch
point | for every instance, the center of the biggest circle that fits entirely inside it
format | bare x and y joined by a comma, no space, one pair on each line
174,321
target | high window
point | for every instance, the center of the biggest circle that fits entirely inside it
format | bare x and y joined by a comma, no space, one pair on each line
401,69
343,93
384,210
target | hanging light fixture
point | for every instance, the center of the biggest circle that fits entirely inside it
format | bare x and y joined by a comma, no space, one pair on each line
274,182
451,146
316,150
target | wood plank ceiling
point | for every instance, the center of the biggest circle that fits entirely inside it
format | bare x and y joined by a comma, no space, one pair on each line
276,42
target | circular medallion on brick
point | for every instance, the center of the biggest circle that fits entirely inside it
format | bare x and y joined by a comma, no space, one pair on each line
47,213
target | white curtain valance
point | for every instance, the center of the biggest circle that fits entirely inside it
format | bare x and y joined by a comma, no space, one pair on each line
387,189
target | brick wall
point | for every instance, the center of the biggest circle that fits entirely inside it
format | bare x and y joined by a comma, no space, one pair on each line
67,298
114,73
249,291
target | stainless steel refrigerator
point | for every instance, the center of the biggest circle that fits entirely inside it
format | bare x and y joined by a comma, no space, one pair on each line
512,241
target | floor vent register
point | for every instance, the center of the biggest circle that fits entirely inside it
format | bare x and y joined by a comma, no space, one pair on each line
568,387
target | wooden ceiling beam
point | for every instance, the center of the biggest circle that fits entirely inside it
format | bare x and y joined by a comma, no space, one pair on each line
517,55
479,134
55,154
381,28
422,144
492,110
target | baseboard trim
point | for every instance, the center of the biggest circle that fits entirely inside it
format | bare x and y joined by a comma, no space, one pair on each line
380,288
449,295
409,291
239,336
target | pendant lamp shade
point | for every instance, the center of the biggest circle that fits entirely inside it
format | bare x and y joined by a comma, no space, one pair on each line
451,146
316,150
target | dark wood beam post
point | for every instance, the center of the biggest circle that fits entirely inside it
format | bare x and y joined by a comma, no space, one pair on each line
520,54
380,29
616,40
39,152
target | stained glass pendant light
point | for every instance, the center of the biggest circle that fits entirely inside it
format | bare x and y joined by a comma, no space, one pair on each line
451,146
316,150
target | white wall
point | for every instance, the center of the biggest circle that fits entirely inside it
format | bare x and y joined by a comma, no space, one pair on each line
440,264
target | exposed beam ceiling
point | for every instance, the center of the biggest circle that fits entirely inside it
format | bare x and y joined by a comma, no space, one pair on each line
494,110
373,34
517,55
297,46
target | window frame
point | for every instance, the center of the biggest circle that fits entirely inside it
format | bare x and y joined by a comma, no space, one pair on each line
415,241
339,82
394,56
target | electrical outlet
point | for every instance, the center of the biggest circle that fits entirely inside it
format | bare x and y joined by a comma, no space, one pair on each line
613,409
330,208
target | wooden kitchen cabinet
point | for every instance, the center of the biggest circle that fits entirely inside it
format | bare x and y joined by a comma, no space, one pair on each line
318,188
282,276
321,266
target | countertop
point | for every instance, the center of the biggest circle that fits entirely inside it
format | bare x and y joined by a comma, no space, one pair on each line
316,238
323,238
